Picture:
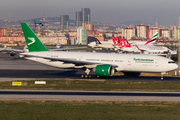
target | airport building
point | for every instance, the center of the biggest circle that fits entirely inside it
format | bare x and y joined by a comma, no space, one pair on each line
64,22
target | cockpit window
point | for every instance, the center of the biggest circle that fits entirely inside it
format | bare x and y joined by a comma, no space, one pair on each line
171,62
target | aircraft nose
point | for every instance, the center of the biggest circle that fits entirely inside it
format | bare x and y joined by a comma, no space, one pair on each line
173,66
177,66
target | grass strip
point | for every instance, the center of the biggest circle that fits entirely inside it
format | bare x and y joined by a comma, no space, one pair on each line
95,85
88,110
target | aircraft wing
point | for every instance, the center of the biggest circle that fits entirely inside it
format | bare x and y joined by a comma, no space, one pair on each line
60,49
73,61
10,50
77,62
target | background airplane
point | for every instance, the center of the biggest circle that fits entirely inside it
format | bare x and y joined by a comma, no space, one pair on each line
111,45
102,44
103,64
151,41
123,45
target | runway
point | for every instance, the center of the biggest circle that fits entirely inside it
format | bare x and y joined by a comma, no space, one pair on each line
88,95
20,69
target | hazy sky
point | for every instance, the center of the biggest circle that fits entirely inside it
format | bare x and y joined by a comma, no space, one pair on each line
106,11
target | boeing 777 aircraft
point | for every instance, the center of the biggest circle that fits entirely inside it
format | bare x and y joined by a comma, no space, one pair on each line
103,64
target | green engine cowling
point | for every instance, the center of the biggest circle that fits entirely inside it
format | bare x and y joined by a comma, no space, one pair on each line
104,70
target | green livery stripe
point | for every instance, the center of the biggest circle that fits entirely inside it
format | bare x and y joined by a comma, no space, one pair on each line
32,41
155,35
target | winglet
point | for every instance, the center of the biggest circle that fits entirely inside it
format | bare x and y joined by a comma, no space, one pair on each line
32,41
152,39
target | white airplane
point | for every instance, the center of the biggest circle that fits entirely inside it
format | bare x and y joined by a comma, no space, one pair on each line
103,64
109,43
123,45
102,44
151,41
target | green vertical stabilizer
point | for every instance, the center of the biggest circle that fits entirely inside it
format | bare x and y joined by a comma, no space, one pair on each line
32,41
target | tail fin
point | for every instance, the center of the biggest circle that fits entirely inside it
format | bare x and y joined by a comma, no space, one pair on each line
115,41
97,41
32,41
124,43
152,39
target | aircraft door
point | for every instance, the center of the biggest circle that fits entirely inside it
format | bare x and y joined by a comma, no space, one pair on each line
80,58
130,65
157,63
129,61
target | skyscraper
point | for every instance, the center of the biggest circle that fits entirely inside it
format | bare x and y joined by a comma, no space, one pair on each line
157,24
83,16
78,18
64,22
86,16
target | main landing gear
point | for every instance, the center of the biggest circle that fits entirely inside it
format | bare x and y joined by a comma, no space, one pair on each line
87,75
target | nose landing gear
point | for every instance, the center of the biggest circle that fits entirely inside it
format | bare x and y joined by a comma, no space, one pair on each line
162,74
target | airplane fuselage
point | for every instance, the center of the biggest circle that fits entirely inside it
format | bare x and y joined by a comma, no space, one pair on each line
123,62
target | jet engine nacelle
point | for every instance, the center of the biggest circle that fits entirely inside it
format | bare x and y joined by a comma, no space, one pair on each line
132,73
12,54
104,70
25,49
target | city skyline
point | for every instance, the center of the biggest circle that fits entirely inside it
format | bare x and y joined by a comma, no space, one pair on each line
105,11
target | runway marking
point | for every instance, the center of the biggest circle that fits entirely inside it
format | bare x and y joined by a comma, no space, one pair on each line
40,82
19,83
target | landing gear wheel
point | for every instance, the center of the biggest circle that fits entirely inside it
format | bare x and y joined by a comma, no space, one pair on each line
162,74
86,76
82,76
89,76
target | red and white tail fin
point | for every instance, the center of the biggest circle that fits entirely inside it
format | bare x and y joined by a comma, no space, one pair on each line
124,42
115,41
152,39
